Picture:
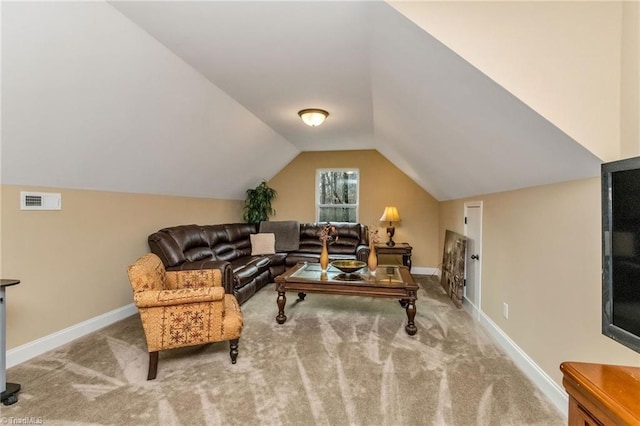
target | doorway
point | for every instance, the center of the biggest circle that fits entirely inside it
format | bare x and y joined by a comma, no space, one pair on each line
473,270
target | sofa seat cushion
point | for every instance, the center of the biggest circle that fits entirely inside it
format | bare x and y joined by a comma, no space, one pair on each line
277,259
277,265
249,289
246,269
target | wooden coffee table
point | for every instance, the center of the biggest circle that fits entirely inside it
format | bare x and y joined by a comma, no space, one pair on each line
392,281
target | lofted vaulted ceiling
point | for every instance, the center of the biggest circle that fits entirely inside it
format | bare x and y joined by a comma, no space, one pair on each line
387,84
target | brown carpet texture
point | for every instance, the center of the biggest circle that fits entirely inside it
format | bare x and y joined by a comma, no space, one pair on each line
338,360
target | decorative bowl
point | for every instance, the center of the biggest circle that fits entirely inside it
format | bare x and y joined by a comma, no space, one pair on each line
348,266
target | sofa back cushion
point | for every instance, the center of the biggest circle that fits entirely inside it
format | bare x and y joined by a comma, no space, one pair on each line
166,248
350,236
194,254
191,241
194,243
179,244
215,235
237,242
310,238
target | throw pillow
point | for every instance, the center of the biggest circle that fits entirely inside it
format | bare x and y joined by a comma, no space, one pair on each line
263,243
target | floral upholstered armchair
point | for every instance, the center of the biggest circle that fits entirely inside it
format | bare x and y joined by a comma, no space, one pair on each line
183,308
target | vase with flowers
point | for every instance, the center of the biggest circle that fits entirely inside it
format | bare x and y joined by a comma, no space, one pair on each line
372,260
328,235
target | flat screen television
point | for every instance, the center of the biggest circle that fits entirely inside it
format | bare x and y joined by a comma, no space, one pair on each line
621,251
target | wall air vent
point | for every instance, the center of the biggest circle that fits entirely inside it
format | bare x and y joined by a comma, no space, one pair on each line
40,201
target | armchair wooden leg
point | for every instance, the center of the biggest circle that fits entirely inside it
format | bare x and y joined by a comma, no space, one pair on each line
233,350
153,365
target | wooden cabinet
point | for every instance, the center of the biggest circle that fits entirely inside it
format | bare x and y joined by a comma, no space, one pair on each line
579,416
601,394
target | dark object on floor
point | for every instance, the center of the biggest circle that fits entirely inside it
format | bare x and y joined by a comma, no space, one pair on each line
8,391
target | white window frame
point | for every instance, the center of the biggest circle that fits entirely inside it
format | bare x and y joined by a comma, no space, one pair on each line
356,205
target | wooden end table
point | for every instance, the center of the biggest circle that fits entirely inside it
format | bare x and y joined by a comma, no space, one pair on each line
392,281
400,249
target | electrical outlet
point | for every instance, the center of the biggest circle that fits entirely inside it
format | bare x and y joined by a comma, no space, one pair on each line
505,310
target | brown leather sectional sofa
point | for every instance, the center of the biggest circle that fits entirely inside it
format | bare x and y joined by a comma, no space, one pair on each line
228,247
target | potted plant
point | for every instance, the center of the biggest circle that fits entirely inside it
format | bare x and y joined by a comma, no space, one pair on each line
257,205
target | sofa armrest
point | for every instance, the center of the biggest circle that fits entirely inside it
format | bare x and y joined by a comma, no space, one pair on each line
156,298
362,252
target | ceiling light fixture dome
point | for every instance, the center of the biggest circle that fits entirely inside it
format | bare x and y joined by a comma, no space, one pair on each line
313,117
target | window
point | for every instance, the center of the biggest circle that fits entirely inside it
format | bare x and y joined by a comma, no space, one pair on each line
337,195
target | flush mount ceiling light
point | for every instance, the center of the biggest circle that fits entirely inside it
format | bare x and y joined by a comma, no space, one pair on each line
313,117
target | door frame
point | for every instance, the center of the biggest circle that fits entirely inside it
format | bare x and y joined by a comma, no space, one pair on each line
478,250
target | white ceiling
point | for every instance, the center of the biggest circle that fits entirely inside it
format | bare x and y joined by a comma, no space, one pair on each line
386,83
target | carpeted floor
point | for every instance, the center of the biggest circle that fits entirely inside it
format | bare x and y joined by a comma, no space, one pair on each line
338,360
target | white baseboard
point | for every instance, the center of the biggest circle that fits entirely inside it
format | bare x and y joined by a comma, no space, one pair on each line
546,384
418,270
471,309
37,347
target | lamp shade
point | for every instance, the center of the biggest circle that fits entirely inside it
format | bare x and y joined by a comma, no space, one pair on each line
313,117
390,214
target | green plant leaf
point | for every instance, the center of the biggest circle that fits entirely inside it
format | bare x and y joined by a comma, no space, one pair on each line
257,205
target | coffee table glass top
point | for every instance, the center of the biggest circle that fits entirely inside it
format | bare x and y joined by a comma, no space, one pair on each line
384,275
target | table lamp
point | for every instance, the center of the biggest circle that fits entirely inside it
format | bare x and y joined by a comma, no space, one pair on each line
390,215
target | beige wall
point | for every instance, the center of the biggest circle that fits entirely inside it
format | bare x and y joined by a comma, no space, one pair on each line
630,81
542,246
542,256
72,263
562,58
381,184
